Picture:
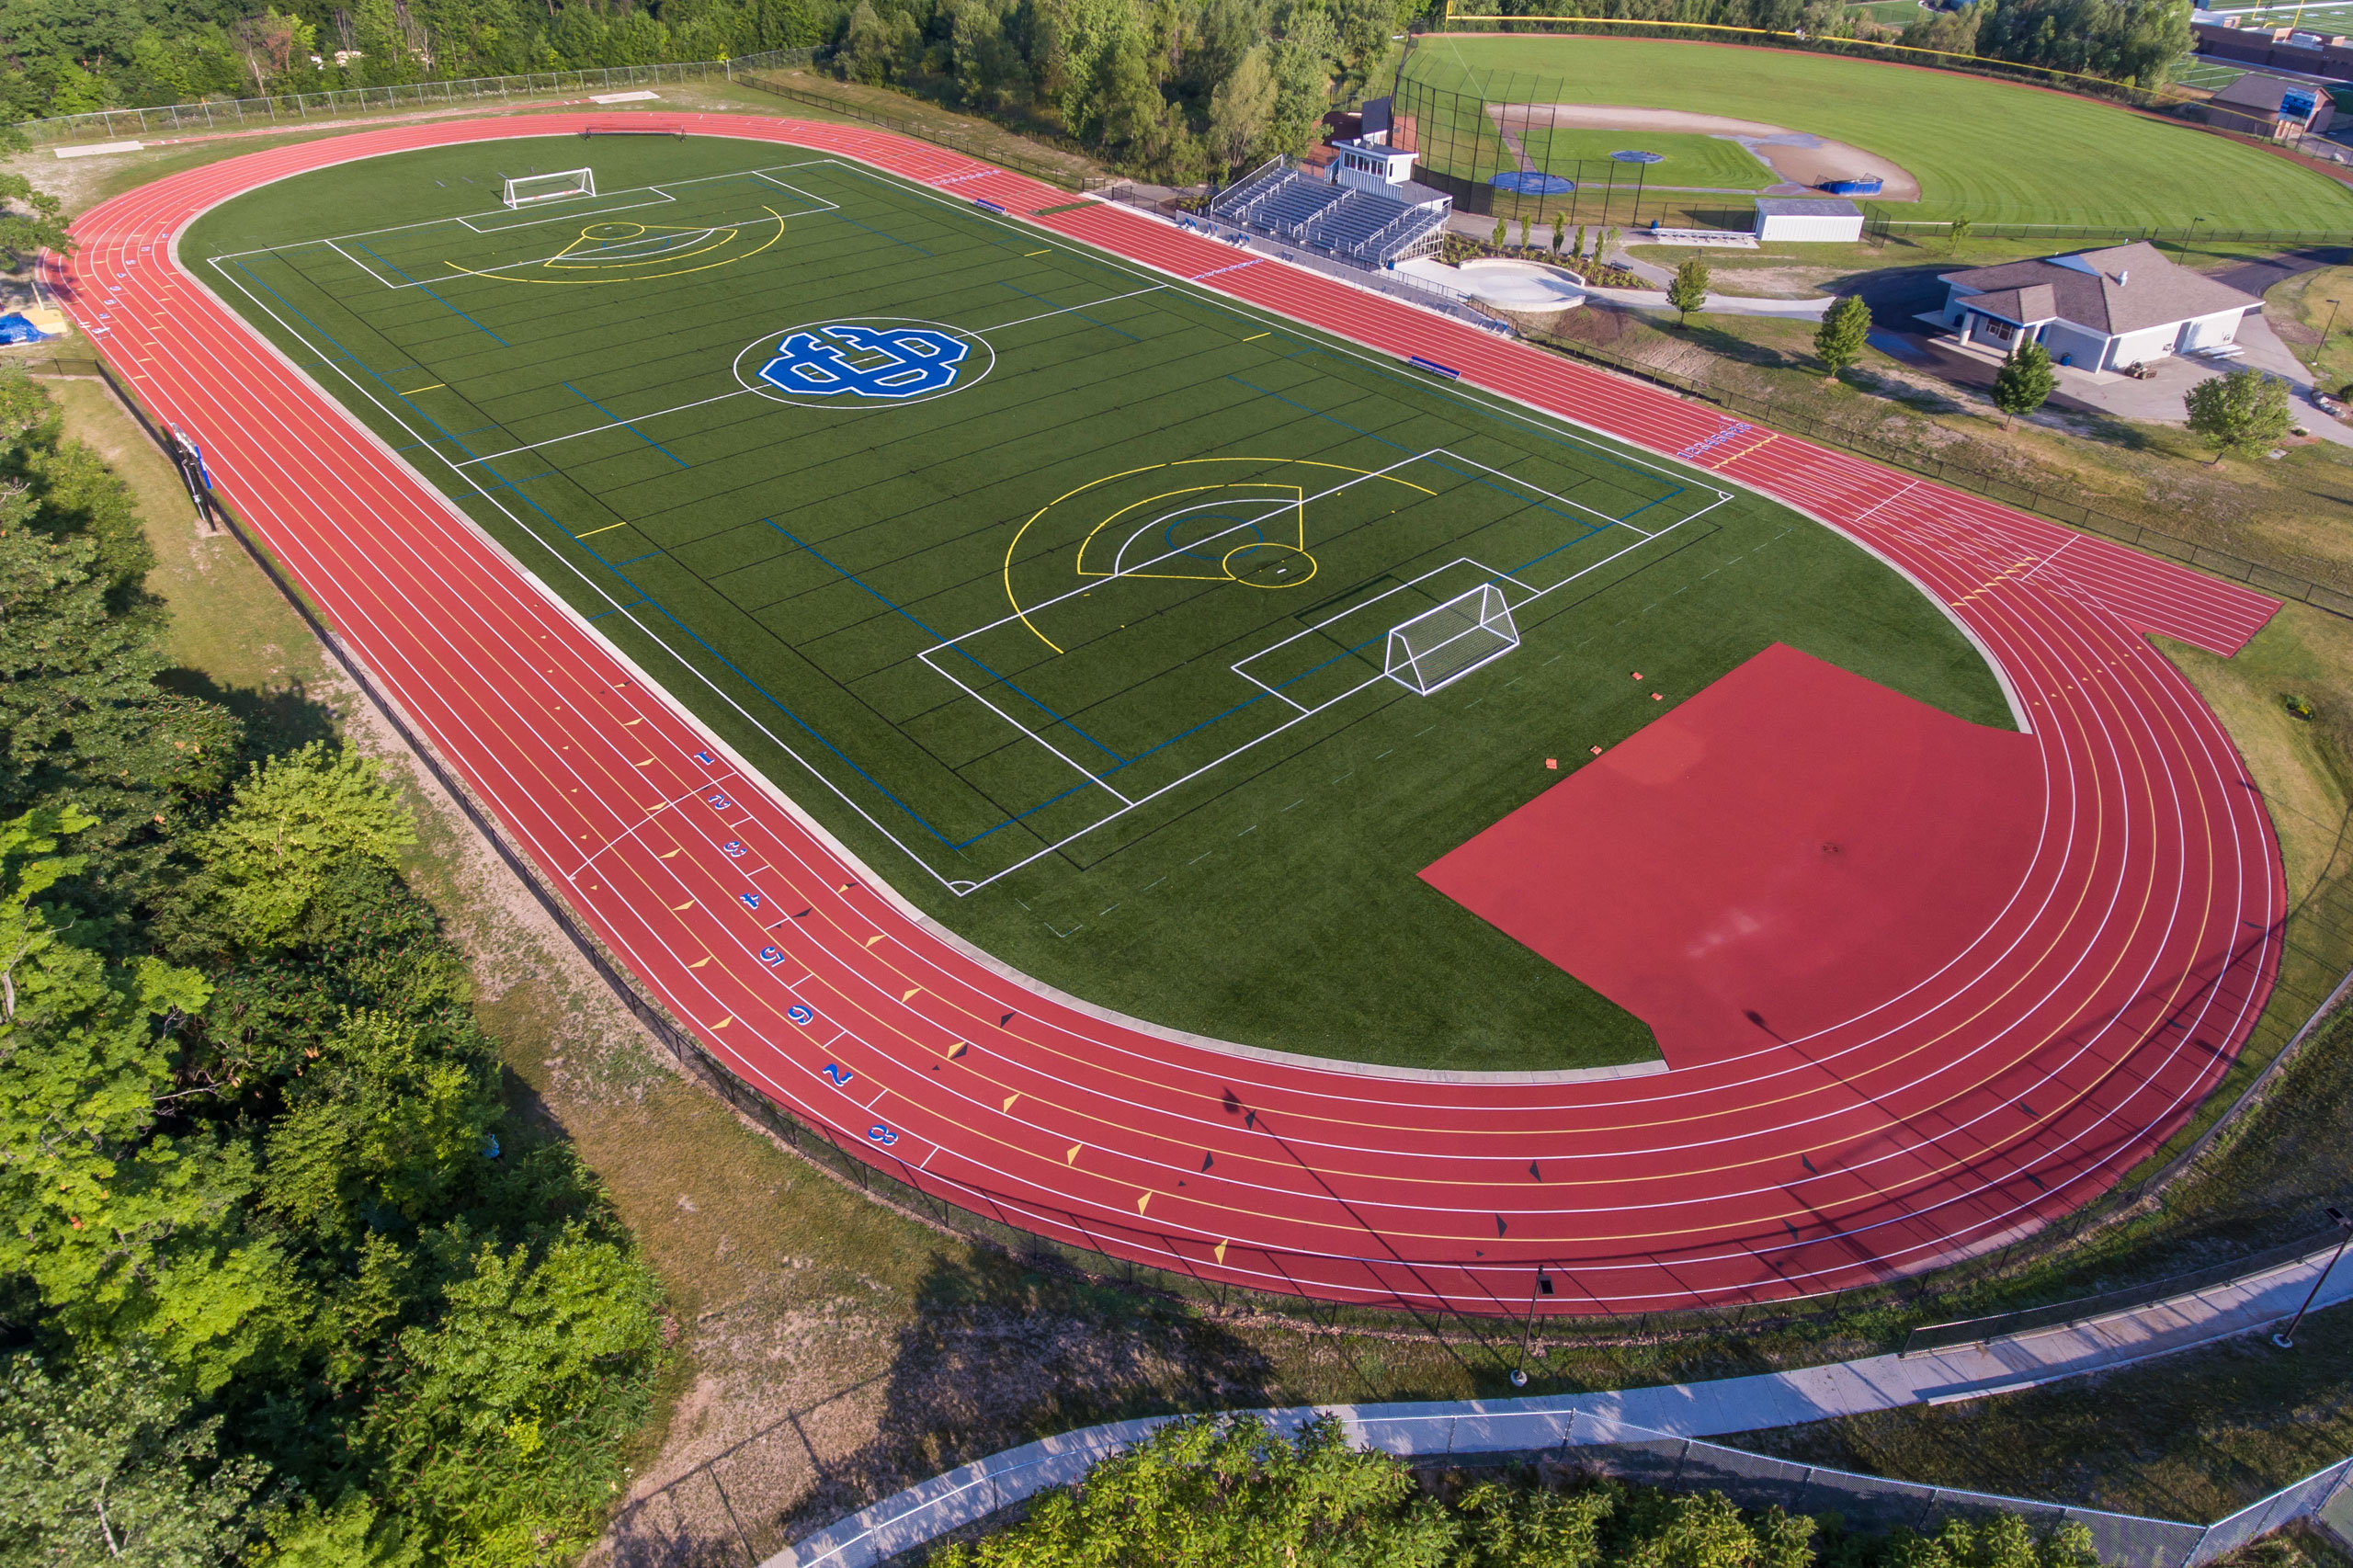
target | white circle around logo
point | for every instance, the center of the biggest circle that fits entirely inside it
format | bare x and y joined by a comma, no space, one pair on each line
862,362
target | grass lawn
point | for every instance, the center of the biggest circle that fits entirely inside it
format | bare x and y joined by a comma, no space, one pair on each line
1889,13
2300,309
1997,152
990,636
1687,162
2194,1437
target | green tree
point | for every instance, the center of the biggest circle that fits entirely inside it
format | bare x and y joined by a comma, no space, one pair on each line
1688,290
2024,379
2245,411
288,824
1957,232
1496,239
1560,237
105,1462
1242,108
1838,341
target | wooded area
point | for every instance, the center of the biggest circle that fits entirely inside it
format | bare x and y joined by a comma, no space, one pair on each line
284,1272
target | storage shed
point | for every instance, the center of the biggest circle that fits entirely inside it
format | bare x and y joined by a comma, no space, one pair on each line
1808,218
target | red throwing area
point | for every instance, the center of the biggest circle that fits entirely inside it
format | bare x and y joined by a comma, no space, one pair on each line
1787,851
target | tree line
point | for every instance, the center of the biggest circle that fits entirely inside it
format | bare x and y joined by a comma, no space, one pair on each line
1211,1492
2132,41
1168,88
283,1279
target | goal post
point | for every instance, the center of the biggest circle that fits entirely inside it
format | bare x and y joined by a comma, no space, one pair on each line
524,190
1440,646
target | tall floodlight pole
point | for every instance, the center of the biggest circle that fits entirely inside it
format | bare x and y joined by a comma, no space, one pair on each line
1543,1287
2286,1337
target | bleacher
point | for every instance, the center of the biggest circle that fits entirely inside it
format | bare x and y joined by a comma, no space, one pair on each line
1363,225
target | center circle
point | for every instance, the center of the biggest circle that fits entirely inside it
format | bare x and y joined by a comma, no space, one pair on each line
979,360
1266,564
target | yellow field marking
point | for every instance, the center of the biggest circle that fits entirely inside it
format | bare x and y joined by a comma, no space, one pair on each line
606,529
1255,338
556,260
1300,516
1011,599
435,387
1027,255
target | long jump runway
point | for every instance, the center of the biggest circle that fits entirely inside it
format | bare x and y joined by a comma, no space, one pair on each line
2052,1054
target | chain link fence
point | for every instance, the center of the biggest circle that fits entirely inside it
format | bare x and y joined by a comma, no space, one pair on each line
1499,1432
297,109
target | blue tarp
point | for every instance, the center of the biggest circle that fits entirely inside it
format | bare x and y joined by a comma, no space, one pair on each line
1527,182
15,328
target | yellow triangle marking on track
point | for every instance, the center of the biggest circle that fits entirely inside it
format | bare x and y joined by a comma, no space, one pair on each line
1069,1156
910,994
1010,1098
676,907
959,1049
874,938
1219,1252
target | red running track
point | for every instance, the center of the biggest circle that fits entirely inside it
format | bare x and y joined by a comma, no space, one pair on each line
2049,1054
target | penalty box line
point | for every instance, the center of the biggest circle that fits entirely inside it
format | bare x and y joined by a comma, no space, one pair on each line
1531,595
962,888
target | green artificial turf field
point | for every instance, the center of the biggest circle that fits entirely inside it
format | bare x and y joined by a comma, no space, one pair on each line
1084,648
1992,151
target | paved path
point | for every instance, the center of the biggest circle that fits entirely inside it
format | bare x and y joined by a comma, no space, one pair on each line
2254,1302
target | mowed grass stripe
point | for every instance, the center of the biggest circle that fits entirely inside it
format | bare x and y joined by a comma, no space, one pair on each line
808,558
1998,151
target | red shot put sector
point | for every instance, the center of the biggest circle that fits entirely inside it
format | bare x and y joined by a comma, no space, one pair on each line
2101,971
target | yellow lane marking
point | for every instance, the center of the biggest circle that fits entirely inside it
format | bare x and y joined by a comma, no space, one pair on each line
435,387
606,529
1255,338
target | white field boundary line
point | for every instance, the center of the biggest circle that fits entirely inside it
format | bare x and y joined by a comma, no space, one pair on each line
396,459
980,332
1540,422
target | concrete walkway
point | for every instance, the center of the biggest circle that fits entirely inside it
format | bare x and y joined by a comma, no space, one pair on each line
2255,1302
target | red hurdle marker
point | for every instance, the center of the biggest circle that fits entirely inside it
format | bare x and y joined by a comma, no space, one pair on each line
1552,762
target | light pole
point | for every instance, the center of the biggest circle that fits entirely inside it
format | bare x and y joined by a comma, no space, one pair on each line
1641,161
1543,1287
2286,1337
2182,245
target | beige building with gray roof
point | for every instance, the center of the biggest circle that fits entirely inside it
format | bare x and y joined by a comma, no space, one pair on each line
2096,310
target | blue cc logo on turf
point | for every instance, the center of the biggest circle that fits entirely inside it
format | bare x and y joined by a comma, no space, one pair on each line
863,362
892,362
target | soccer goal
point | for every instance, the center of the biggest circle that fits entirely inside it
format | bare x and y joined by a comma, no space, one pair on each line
524,190
1440,646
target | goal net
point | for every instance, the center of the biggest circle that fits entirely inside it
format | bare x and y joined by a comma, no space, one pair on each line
524,190
1440,646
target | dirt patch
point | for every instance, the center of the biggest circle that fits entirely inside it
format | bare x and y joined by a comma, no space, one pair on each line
1803,159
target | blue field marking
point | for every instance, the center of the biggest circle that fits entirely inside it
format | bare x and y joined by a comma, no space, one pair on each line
614,609
883,234
1067,310
625,424
329,338
897,609
635,559
442,302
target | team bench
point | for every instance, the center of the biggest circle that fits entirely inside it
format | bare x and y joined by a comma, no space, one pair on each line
634,127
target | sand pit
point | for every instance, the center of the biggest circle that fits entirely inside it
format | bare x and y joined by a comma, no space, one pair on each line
1803,160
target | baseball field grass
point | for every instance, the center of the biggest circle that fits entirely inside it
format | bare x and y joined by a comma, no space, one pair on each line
1061,590
1996,151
